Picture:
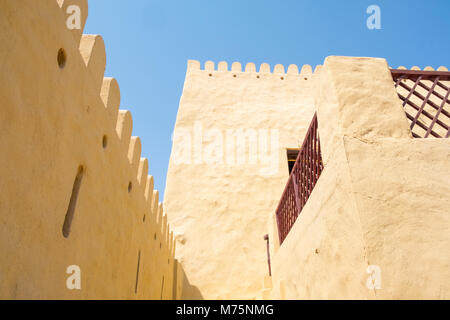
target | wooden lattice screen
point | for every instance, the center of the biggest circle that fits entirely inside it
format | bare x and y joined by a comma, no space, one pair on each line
425,97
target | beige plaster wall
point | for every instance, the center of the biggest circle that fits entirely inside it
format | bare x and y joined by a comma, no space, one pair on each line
220,209
52,122
377,204
382,199
323,256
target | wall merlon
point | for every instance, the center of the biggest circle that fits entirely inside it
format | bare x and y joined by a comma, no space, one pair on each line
143,173
306,69
124,126
110,95
236,67
264,68
222,66
92,49
149,187
159,214
193,65
134,153
279,68
292,69
155,204
209,65
250,67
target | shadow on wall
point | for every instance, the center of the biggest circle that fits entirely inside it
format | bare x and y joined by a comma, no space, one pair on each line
191,292
183,289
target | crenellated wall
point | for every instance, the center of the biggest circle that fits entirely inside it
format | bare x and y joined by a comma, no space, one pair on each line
381,195
74,190
68,159
220,192
250,68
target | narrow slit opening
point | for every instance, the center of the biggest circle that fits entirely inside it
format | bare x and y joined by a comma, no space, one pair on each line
162,287
137,272
73,202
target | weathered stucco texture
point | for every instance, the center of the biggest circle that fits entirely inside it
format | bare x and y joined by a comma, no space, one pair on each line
53,121
220,210
382,199
74,189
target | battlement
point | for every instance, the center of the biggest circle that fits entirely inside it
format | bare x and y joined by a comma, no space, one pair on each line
92,195
428,68
76,192
264,68
92,50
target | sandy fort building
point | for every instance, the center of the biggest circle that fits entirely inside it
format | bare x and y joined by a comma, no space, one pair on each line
284,182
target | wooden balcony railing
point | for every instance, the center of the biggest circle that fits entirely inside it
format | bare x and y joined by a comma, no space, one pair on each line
303,178
425,96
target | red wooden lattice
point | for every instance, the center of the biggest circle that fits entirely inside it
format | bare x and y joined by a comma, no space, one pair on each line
303,178
425,97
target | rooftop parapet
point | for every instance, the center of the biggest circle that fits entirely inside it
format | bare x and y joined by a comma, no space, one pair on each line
250,67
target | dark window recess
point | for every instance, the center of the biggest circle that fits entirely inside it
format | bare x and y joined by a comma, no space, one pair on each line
291,157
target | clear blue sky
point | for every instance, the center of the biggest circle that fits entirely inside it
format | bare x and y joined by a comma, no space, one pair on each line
148,43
